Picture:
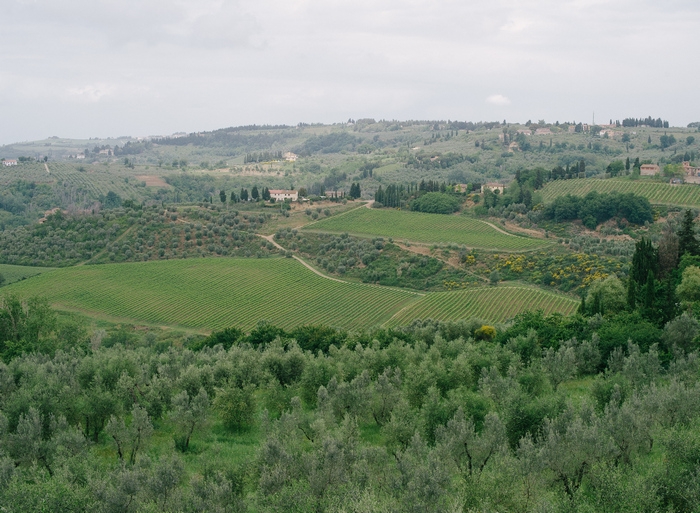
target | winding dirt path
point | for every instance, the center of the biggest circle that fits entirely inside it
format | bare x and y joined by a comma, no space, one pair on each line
271,239
498,229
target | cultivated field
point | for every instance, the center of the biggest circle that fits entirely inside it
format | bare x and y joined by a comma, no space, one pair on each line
13,273
491,304
424,228
215,293
687,195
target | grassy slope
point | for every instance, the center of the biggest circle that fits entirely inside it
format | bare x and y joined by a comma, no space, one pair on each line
13,273
215,293
492,304
426,228
656,192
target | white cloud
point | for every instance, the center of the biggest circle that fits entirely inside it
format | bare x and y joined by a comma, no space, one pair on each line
498,99
163,66
92,92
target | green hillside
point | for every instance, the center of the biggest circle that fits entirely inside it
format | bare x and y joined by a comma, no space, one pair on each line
13,273
214,293
686,195
493,304
425,228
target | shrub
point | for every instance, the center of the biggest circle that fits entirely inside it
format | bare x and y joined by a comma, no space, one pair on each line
436,203
236,406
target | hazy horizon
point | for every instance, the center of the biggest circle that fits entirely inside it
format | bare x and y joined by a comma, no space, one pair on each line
81,70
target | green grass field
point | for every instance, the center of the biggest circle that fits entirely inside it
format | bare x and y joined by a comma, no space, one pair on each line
13,273
214,293
493,304
687,195
424,228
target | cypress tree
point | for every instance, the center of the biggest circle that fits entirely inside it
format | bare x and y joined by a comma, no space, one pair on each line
644,261
631,294
650,292
582,306
687,242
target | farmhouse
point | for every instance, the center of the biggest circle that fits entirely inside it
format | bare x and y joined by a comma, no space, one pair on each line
290,157
692,174
281,195
9,162
690,170
649,170
493,187
543,131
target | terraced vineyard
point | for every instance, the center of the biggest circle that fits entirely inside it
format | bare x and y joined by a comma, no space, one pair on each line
492,304
13,273
687,195
215,293
426,228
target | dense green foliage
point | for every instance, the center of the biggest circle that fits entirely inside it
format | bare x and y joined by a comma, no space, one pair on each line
557,413
595,208
135,234
372,260
436,203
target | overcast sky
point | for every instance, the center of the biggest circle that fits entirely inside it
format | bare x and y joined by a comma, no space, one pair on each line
89,68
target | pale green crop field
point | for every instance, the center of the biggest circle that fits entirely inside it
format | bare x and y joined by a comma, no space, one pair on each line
13,273
492,304
424,228
215,293
686,195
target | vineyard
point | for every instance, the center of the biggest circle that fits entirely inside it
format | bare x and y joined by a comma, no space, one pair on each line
424,228
491,304
27,171
98,179
687,195
13,273
215,293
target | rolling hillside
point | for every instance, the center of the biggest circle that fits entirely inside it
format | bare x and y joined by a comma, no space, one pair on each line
424,228
215,293
687,195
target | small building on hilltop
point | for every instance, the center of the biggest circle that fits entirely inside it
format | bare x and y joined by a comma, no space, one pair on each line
543,131
649,170
9,162
290,157
282,194
493,187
